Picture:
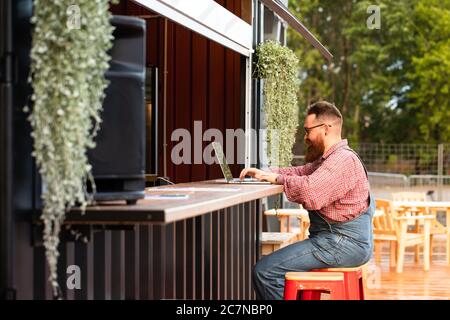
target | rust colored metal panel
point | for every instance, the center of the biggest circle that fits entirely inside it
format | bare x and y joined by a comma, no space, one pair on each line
203,83
182,95
199,99
216,98
170,99
153,40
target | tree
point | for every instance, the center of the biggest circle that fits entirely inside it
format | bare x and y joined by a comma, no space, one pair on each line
392,84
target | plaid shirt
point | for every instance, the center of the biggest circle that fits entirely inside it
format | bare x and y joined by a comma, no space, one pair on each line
336,184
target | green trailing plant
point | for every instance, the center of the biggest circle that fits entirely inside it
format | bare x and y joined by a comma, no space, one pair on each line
278,66
69,57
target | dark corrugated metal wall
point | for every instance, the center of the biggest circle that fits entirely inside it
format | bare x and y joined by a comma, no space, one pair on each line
207,257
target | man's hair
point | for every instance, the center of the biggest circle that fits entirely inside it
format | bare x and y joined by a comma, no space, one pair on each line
324,109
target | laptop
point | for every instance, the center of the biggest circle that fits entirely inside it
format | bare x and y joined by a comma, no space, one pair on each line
226,168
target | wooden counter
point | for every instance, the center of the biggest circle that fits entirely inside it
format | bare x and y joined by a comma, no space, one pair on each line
203,197
202,247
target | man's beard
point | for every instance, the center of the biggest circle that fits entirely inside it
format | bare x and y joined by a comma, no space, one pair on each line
314,151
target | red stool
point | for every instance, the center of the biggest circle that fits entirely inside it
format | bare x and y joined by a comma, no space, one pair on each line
353,283
332,282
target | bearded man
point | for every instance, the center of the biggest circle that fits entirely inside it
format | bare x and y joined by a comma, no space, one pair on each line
333,186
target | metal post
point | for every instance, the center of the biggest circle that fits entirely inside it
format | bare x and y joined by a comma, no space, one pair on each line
6,164
440,170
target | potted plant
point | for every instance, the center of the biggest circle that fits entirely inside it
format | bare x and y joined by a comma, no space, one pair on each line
69,57
278,66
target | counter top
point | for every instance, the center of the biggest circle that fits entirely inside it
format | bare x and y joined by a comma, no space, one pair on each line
197,198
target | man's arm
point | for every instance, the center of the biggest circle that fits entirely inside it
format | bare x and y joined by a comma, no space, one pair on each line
328,183
295,171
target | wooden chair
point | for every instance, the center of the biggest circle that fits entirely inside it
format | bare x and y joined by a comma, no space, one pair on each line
436,226
271,241
284,216
392,227
414,225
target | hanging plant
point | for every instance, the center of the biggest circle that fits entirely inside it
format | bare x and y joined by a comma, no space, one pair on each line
278,66
68,62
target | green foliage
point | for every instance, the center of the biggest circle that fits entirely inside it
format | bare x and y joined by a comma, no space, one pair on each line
430,75
278,66
67,76
391,84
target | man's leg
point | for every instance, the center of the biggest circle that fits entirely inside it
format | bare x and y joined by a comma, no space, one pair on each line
269,272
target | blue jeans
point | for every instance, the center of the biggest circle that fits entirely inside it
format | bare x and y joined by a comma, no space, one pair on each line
330,245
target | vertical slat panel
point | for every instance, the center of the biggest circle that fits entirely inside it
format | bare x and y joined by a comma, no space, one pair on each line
40,274
116,265
223,255
242,265
229,253
159,262
144,265
215,255
130,256
236,237
206,230
190,259
252,251
90,268
108,267
70,260
247,212
181,266
81,259
200,257
99,265
151,270
170,262
62,268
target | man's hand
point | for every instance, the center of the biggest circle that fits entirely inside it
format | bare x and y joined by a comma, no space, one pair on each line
259,174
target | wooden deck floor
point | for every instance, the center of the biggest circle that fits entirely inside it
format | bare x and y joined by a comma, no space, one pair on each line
414,283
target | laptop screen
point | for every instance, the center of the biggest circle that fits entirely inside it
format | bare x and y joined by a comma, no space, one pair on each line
222,161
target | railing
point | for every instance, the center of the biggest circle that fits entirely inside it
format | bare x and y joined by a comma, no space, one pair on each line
428,180
388,179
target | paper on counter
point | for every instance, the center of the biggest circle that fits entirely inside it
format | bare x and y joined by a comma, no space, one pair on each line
193,189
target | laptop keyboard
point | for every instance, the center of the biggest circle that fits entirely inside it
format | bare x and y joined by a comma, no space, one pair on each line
245,180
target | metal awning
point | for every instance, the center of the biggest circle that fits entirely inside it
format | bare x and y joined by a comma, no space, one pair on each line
281,10
207,18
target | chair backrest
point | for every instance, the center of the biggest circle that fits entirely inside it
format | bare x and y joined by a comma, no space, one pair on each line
383,221
409,196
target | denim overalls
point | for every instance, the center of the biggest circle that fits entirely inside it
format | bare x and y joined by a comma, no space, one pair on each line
345,244
330,244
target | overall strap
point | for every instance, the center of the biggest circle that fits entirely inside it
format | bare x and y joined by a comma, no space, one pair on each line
364,166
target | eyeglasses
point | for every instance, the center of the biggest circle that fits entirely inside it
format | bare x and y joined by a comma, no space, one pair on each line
308,130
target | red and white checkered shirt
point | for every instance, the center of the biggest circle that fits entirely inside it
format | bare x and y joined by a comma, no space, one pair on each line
336,184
